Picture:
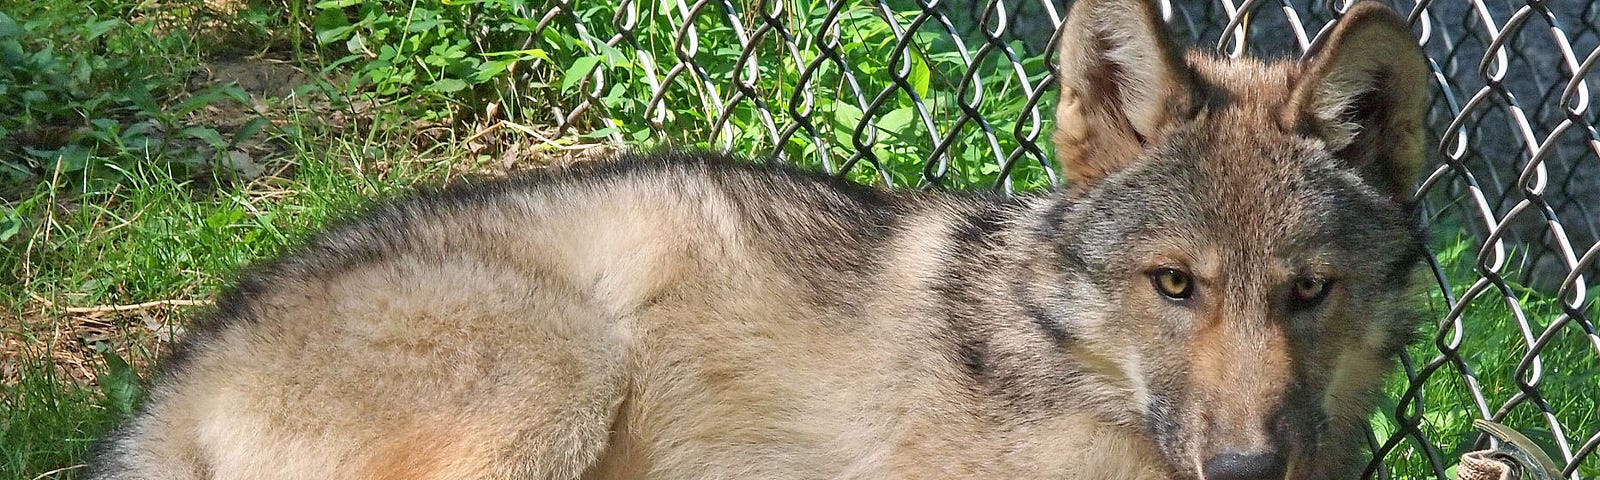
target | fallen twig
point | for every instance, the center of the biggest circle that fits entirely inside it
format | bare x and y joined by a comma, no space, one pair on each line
59,470
128,307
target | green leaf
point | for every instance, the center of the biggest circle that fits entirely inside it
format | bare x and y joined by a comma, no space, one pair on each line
424,25
327,4
453,51
919,74
356,44
105,124
846,115
9,27
137,136
249,129
45,56
139,95
10,223
207,134
71,158
615,56
448,85
898,121
387,53
640,135
11,53
120,383
99,28
488,70
601,133
580,68
331,35
224,218
845,119
329,19
615,97
534,53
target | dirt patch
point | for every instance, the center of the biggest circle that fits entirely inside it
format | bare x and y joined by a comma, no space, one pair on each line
73,341
503,148
250,122
261,76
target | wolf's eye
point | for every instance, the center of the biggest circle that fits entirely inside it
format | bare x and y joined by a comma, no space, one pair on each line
1174,284
1309,291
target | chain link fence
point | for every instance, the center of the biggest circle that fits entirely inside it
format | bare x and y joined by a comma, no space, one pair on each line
956,94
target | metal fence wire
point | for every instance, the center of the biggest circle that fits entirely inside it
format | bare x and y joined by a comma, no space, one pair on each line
944,94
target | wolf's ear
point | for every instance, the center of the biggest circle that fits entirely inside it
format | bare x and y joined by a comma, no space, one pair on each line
1123,81
1364,92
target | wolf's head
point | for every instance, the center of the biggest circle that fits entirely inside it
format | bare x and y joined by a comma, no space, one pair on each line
1236,239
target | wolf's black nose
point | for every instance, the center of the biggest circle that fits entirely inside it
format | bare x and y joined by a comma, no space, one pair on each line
1233,466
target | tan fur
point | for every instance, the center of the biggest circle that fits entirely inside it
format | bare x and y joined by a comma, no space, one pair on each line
1362,62
433,452
1121,79
686,316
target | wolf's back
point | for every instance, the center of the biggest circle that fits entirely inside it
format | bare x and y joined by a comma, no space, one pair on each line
492,331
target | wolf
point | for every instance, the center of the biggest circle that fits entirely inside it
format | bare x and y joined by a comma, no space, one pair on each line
1217,294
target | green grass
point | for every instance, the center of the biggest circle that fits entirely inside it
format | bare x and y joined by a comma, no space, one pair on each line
49,422
153,238
1490,346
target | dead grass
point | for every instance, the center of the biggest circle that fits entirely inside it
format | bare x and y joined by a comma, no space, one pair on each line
73,339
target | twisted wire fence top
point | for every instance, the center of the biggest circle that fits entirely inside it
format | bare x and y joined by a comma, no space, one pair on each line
937,94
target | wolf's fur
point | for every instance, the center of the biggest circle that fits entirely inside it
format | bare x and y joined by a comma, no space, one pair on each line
682,315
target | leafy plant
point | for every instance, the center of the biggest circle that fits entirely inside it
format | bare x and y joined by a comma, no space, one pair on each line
427,56
871,92
79,93
869,95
